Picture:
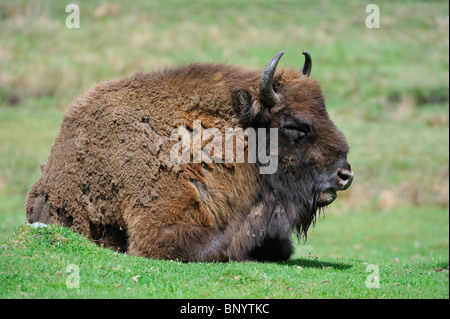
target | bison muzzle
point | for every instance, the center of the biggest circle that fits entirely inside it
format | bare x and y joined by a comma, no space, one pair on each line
109,174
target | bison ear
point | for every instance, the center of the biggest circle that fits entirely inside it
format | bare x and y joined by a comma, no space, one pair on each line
245,108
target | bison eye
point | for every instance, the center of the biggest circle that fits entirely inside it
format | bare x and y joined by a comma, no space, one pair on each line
296,131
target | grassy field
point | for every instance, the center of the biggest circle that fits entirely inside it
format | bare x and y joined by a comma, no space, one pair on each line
408,266
386,89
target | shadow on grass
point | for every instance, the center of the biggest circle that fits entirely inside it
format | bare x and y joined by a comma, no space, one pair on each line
315,263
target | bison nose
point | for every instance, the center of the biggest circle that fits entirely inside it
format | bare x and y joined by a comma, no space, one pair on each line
345,177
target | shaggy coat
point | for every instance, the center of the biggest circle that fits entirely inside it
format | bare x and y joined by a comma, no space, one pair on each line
109,174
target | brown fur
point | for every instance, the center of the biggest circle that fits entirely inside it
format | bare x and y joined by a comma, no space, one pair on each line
109,175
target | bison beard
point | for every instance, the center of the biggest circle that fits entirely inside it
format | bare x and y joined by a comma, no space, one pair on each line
109,175
296,195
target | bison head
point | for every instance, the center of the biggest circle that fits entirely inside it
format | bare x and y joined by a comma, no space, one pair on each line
312,152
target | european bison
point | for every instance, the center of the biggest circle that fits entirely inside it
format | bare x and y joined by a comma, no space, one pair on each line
110,176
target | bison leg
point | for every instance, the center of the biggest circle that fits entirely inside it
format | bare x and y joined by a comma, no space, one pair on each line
38,209
265,249
263,235
180,241
273,249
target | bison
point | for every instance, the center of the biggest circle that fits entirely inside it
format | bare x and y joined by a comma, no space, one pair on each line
109,174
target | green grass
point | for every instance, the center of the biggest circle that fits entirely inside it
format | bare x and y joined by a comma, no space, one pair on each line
386,89
325,267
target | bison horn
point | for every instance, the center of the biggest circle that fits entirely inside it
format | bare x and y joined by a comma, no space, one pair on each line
307,66
266,92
